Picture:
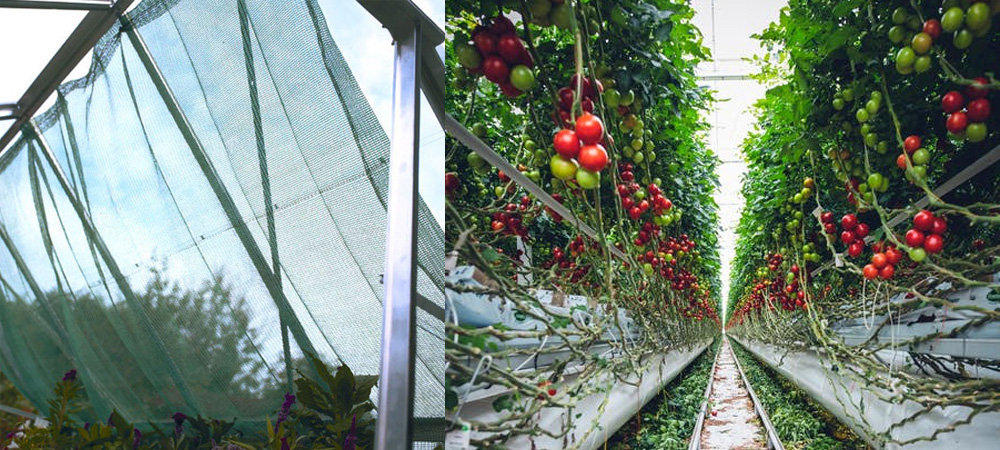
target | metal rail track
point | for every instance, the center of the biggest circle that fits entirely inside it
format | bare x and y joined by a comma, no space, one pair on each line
773,442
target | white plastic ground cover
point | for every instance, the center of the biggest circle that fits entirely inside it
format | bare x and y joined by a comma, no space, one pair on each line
595,424
842,396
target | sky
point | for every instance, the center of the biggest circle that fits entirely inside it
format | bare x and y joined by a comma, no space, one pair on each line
365,45
727,26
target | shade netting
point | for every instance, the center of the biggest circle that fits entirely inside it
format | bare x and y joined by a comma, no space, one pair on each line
223,212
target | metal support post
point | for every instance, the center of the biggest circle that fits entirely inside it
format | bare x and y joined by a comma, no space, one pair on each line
394,429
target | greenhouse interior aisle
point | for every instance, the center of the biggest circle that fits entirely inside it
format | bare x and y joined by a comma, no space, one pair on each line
732,423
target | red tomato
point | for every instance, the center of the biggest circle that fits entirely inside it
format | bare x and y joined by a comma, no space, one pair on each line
854,250
486,42
933,28
830,227
923,220
566,98
893,255
870,272
879,260
510,48
588,89
495,69
914,238
849,221
826,217
911,143
933,243
502,25
847,237
861,230
952,101
901,161
957,122
978,110
939,226
593,157
887,272
509,90
589,128
976,90
566,143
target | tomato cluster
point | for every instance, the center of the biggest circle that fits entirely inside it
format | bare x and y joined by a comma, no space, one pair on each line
926,236
883,262
499,54
966,115
579,154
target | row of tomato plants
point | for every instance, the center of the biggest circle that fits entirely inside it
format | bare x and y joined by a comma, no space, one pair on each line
597,103
872,136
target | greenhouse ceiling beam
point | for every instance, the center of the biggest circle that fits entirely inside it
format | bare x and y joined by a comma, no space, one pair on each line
57,4
76,46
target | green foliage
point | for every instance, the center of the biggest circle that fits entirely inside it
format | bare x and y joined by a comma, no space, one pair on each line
335,410
799,421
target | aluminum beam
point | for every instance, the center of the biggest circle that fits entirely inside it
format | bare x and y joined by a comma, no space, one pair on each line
57,4
83,38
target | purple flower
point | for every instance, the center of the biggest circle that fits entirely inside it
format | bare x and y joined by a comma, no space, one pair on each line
86,426
284,444
179,419
137,440
70,376
285,409
112,416
352,435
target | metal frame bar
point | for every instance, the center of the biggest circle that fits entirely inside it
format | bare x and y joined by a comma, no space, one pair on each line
394,428
76,46
86,5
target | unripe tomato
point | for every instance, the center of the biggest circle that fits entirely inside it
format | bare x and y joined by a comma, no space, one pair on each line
952,19
562,167
587,179
921,43
522,78
977,17
976,132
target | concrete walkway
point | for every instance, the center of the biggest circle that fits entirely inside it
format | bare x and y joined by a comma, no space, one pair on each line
732,423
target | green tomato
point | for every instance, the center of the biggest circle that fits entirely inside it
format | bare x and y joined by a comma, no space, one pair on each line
797,198
922,64
952,19
863,187
479,130
522,77
848,94
875,180
913,23
563,168
651,156
649,145
530,145
921,156
876,96
636,144
588,179
838,104
534,175
499,191
896,34
468,56
640,194
868,197
904,70
539,8
899,15
885,185
917,254
871,139
647,268
976,132
628,98
638,157
905,57
921,43
657,181
872,106
612,97
806,192
476,162
562,16
865,129
963,39
919,172
977,17
982,32
882,147
862,115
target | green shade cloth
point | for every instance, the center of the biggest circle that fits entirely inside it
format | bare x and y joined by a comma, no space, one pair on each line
160,306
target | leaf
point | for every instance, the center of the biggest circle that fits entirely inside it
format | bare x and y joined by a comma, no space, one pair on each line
343,389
